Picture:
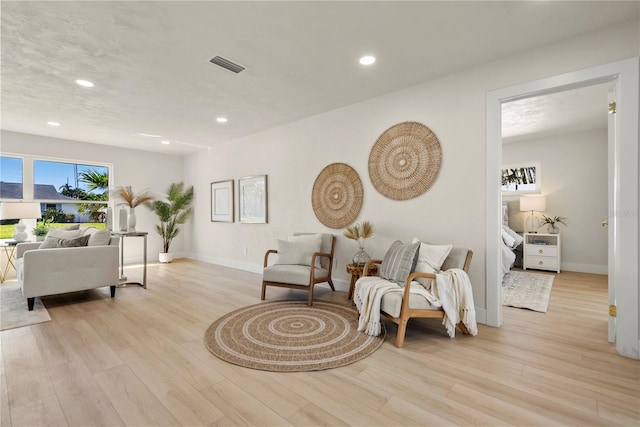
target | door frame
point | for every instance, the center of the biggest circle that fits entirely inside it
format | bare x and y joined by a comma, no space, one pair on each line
623,217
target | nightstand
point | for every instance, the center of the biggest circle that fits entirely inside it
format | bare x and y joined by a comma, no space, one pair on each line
541,251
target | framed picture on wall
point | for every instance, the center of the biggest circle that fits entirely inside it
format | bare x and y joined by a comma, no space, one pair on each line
525,178
222,201
252,194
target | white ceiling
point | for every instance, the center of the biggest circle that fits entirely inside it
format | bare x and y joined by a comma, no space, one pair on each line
150,60
577,110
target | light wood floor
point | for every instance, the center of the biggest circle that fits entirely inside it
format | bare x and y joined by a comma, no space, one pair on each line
139,360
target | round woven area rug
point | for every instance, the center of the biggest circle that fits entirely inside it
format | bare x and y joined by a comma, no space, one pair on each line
290,336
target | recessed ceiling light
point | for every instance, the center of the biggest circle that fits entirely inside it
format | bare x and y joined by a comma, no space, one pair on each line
150,135
165,142
367,60
221,119
84,83
53,123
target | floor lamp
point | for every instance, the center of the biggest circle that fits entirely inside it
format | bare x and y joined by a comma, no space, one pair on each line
532,204
20,210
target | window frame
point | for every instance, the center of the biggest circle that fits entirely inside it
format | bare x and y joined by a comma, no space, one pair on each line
28,177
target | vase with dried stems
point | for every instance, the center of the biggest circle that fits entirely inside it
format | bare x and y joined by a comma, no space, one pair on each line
132,199
360,232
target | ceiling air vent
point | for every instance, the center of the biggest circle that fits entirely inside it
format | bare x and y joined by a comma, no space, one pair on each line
226,64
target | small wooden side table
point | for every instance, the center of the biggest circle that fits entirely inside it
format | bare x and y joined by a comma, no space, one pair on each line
356,272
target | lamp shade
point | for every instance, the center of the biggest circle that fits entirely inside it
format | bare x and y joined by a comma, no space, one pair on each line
533,203
20,210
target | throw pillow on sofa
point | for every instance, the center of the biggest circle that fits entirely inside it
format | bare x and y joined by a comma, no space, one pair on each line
65,234
399,261
97,237
58,242
430,260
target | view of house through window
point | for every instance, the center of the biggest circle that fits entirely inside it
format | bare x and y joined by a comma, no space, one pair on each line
68,192
10,178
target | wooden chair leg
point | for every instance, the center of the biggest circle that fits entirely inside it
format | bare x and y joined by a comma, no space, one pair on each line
264,290
113,291
463,328
402,329
331,284
310,300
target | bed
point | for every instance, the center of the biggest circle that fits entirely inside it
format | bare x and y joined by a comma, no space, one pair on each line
510,242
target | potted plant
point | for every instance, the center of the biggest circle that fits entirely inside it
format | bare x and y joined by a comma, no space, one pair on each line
360,232
41,229
131,199
550,222
172,213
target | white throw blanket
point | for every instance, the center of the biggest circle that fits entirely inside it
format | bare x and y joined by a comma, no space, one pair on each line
367,297
453,289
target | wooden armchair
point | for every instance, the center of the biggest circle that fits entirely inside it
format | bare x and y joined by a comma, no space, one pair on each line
400,307
310,267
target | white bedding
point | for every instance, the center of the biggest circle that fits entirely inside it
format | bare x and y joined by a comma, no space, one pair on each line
510,240
508,258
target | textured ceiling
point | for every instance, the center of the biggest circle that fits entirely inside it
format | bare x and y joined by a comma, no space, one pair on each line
150,60
576,110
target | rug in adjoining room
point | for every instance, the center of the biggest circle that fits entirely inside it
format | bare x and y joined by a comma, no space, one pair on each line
290,336
527,290
13,308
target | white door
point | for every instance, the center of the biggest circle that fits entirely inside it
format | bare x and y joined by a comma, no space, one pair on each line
609,218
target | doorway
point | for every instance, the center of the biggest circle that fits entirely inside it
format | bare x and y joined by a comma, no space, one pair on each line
564,134
623,209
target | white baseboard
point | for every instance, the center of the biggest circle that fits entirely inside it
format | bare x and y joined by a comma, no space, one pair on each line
584,268
244,266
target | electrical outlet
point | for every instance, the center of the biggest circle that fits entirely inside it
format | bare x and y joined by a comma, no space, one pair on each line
244,251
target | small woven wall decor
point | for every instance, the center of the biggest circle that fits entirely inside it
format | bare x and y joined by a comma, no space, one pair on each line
337,195
405,161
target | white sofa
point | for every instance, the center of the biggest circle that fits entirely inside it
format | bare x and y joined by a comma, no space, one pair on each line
59,270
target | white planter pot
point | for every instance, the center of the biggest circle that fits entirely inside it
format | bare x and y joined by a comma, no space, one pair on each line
40,238
166,257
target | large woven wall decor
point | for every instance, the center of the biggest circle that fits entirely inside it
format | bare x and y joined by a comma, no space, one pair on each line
405,161
337,195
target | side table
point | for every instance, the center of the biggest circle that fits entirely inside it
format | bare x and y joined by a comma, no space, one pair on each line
356,272
123,278
10,253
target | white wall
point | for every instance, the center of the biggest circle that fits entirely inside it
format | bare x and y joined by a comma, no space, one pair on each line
139,169
574,182
452,211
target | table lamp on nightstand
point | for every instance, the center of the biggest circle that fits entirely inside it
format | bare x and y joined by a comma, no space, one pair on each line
532,204
20,210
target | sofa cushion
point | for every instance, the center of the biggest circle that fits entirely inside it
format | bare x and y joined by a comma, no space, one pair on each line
97,237
399,261
64,234
58,242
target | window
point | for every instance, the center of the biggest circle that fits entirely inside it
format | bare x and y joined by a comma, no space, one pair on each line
73,192
69,192
521,179
10,178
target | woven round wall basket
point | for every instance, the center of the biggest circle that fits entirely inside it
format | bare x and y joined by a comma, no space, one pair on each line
337,195
405,161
